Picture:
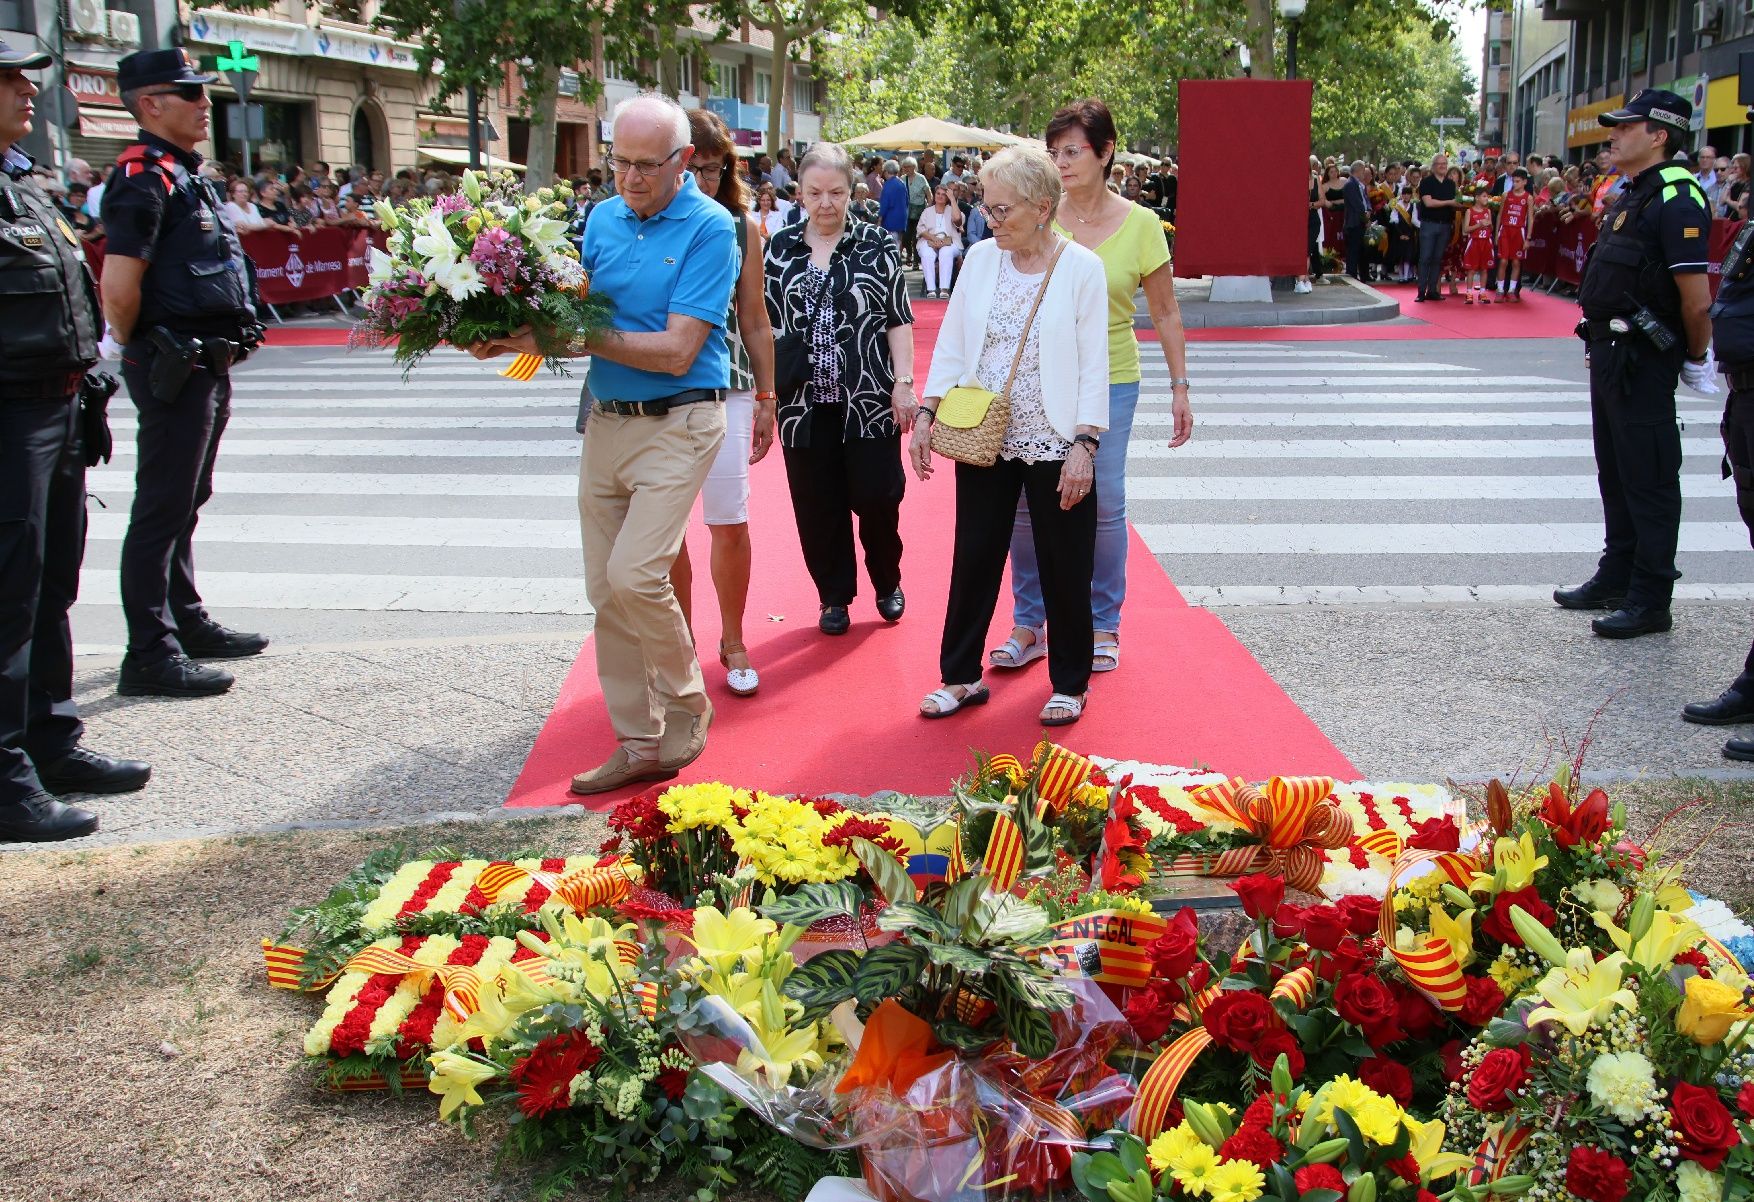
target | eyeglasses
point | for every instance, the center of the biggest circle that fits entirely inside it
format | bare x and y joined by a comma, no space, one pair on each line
1068,153
996,214
621,166
716,170
189,92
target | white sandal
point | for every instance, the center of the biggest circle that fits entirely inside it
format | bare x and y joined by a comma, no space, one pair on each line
1105,656
1016,654
948,703
742,681
1063,701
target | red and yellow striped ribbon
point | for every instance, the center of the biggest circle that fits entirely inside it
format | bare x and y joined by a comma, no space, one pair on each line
1157,1088
1385,843
1232,861
1292,818
462,983
1004,765
1059,773
583,889
412,1078
1495,1153
1107,946
1003,861
1296,986
1431,968
286,964
523,368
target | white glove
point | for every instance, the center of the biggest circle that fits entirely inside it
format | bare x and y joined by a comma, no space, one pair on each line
109,348
1701,377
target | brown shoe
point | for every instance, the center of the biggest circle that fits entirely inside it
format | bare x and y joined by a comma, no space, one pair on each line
618,770
684,738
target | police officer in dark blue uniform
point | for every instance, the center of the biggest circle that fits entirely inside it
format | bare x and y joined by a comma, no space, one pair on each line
1732,324
1645,300
50,417
180,298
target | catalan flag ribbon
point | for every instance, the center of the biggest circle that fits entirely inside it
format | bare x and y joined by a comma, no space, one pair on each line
412,1078
1107,946
1003,861
1431,967
1383,842
582,889
523,368
1495,1153
286,966
1291,816
1059,773
462,983
1157,1088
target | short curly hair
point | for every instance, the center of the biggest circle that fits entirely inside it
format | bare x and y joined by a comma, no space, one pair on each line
1026,170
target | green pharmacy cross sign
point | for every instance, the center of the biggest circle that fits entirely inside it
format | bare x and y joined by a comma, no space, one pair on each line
239,67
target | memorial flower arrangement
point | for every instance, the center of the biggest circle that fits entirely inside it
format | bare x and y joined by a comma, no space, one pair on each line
478,264
1621,1075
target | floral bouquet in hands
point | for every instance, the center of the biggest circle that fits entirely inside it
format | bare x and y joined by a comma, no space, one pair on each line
477,265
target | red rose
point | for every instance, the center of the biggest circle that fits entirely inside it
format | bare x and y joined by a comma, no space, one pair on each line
1418,1017
1363,914
1254,1145
1371,1006
1324,927
1704,1128
1260,892
1174,952
1318,1176
1436,834
1151,1011
1451,1053
1745,1099
1498,925
1239,1019
1595,1175
1279,1043
1484,1002
1502,1070
1288,920
1388,1077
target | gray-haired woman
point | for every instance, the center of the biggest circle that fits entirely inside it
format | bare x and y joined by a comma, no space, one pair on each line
1030,318
839,285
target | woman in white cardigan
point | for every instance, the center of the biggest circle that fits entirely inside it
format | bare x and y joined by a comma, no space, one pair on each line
1059,407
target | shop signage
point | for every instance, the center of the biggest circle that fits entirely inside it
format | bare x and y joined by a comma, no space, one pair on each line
363,49
569,82
94,86
216,28
100,123
1581,126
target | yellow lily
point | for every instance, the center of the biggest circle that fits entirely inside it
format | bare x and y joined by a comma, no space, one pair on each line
521,990
742,992
787,1051
454,1078
725,940
1514,863
492,1016
1669,935
1584,992
1427,1151
1458,932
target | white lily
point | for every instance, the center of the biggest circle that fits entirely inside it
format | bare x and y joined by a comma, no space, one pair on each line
382,267
459,278
544,233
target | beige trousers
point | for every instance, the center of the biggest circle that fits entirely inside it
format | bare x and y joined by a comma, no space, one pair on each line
638,477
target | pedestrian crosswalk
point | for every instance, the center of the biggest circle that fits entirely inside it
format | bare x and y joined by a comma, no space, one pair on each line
1315,475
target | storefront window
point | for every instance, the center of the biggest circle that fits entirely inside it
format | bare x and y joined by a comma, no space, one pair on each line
281,144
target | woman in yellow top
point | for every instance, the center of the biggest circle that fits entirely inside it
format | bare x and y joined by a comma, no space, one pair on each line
1128,238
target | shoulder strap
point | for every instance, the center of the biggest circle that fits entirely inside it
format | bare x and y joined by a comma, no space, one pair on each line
1023,339
141,157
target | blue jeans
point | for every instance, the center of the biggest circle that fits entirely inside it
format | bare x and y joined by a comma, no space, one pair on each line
1108,587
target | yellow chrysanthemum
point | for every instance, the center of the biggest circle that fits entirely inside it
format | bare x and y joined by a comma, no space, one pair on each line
1194,1168
1235,1181
708,804
1510,976
1378,1118
1169,1147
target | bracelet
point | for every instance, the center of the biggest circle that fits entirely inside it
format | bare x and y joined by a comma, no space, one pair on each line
766,396
1180,382
928,414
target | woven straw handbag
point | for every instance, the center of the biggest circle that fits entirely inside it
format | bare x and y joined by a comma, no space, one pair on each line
971,422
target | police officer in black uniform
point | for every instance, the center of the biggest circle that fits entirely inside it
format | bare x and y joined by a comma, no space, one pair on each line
1645,303
180,298
49,333
1732,324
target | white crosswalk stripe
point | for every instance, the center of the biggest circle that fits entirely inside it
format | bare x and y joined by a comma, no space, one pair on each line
1316,476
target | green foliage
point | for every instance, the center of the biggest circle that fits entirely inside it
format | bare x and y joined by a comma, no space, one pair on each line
811,903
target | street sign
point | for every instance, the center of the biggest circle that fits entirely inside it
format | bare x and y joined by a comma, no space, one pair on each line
242,128
240,69
1442,121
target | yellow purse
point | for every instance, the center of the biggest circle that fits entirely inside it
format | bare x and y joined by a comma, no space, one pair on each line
965,407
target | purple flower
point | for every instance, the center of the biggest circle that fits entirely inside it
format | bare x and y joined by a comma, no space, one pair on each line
452,203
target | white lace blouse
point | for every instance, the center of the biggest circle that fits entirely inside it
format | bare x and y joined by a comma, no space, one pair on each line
1029,437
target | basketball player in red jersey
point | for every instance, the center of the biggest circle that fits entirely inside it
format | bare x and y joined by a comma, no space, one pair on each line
1513,236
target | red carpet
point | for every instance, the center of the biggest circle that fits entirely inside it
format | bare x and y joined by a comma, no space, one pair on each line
841,714
1539,316
308,335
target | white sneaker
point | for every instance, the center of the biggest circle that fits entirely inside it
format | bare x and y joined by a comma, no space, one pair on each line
1303,286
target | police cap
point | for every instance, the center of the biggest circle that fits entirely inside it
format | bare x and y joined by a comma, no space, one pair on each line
1653,104
145,68
23,60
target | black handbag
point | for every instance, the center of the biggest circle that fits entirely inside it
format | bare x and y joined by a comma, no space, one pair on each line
791,350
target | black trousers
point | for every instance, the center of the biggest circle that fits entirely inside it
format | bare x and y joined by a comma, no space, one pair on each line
1434,239
833,480
173,477
1638,465
42,543
1738,432
1065,547
1355,251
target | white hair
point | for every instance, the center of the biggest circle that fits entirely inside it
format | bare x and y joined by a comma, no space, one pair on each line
910,161
657,105
828,155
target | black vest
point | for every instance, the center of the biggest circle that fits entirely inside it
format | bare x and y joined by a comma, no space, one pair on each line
49,321
199,280
1732,314
1626,267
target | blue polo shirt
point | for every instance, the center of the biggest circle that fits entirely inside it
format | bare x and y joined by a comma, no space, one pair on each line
682,260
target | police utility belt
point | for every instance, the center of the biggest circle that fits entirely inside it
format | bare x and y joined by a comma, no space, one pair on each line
659,406
1645,323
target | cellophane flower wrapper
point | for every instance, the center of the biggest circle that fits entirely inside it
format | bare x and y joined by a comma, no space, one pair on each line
981,1126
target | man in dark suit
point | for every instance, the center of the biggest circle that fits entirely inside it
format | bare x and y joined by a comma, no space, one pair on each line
1357,216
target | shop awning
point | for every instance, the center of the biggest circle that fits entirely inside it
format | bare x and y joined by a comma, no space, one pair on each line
458,156
107,123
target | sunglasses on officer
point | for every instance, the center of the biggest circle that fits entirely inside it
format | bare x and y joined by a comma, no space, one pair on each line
189,92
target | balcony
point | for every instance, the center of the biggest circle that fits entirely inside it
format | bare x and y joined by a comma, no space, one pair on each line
1570,10
738,114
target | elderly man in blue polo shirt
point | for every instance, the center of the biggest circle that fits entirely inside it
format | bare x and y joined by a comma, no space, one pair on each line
665,255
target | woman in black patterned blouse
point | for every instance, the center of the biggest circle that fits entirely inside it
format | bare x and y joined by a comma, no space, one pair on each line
841,432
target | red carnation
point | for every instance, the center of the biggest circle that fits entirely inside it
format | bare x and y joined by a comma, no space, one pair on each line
1255,1145
1436,834
1260,892
1705,1131
1501,1072
1485,1001
674,1082
1324,927
1239,1019
1388,1077
1318,1176
1405,1167
1696,959
1363,914
1595,1175
1498,925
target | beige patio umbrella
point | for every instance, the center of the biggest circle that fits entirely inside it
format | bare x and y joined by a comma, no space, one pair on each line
927,133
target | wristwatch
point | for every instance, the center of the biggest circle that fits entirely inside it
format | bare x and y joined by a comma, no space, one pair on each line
1092,440
1180,382
908,380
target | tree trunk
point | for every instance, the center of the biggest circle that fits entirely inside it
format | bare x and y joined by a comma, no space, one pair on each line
543,89
776,92
670,73
1259,32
